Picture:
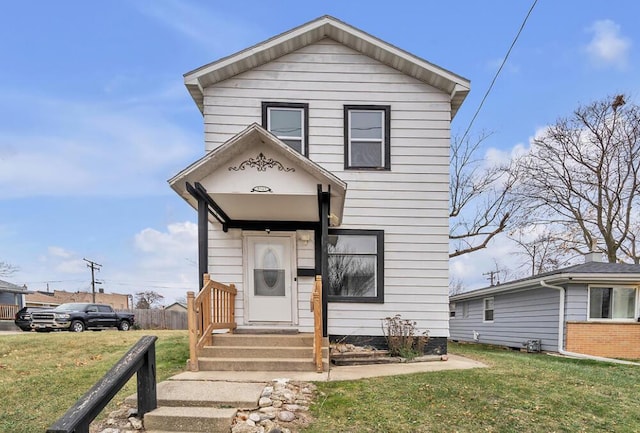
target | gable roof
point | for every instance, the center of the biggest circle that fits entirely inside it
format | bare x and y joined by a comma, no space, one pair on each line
6,286
590,272
250,139
327,27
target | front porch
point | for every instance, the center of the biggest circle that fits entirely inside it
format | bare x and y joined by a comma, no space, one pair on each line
264,212
214,344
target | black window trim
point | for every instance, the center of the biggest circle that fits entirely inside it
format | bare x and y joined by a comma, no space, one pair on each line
387,135
305,109
379,298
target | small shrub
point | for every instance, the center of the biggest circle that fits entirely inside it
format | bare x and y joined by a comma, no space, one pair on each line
403,338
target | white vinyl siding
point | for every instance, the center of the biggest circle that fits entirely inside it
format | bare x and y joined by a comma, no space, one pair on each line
409,202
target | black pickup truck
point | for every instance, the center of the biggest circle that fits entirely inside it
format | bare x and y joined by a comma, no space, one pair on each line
76,317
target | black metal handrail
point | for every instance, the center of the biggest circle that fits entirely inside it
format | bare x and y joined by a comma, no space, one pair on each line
140,359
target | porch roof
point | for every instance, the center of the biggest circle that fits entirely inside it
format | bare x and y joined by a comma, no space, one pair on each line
327,27
256,177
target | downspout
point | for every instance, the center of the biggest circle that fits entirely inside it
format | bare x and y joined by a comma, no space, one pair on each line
561,332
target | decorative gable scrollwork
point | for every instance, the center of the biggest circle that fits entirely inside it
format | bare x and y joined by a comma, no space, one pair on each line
261,163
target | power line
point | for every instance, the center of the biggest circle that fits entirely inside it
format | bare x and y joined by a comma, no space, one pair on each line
495,77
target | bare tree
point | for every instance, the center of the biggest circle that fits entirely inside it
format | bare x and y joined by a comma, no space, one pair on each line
542,252
456,286
7,269
148,299
582,174
479,198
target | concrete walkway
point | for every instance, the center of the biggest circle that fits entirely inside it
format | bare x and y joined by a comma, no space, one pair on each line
335,373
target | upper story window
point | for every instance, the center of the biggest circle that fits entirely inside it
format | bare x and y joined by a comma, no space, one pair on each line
356,265
367,137
615,303
488,310
289,122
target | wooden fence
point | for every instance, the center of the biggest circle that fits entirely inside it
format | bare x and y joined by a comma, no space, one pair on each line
159,319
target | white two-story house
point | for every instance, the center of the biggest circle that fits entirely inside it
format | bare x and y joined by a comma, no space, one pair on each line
326,154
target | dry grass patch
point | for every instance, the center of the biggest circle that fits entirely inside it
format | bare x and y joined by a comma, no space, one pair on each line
42,375
519,392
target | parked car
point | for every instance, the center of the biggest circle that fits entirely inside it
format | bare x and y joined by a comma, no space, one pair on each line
23,317
77,317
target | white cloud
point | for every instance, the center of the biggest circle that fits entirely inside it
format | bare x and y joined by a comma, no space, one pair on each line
62,261
59,252
180,238
214,31
165,262
608,47
162,260
82,148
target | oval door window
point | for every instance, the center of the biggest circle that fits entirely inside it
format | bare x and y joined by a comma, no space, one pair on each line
269,277
270,266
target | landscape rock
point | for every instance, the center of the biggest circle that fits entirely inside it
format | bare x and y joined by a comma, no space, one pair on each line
283,407
286,416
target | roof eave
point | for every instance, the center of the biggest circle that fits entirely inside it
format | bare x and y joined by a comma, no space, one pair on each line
533,283
327,27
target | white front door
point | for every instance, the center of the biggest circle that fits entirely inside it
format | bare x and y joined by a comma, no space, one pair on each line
270,290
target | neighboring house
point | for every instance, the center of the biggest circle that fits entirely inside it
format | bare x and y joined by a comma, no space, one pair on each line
11,300
289,124
591,308
41,299
117,301
176,306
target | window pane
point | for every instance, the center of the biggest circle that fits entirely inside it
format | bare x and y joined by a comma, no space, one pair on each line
366,154
285,123
294,144
351,244
366,124
624,303
352,275
599,299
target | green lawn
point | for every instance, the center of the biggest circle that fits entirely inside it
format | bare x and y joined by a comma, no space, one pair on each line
519,392
42,375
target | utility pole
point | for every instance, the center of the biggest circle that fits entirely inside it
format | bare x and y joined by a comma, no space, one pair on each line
492,276
94,266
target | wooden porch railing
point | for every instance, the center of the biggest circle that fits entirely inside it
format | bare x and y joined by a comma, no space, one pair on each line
213,308
316,307
8,311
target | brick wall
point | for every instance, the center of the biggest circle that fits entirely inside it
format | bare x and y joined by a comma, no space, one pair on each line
612,340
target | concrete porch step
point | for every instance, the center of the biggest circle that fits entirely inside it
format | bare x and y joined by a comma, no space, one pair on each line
256,364
189,419
251,352
263,340
206,394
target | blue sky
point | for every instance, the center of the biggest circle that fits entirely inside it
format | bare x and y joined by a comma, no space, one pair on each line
94,116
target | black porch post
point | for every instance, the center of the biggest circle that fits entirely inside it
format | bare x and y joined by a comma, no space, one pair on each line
324,241
203,240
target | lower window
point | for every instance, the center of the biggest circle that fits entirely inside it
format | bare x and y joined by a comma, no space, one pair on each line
356,265
612,302
488,309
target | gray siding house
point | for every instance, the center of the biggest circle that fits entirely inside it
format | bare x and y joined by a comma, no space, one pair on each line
11,300
590,308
